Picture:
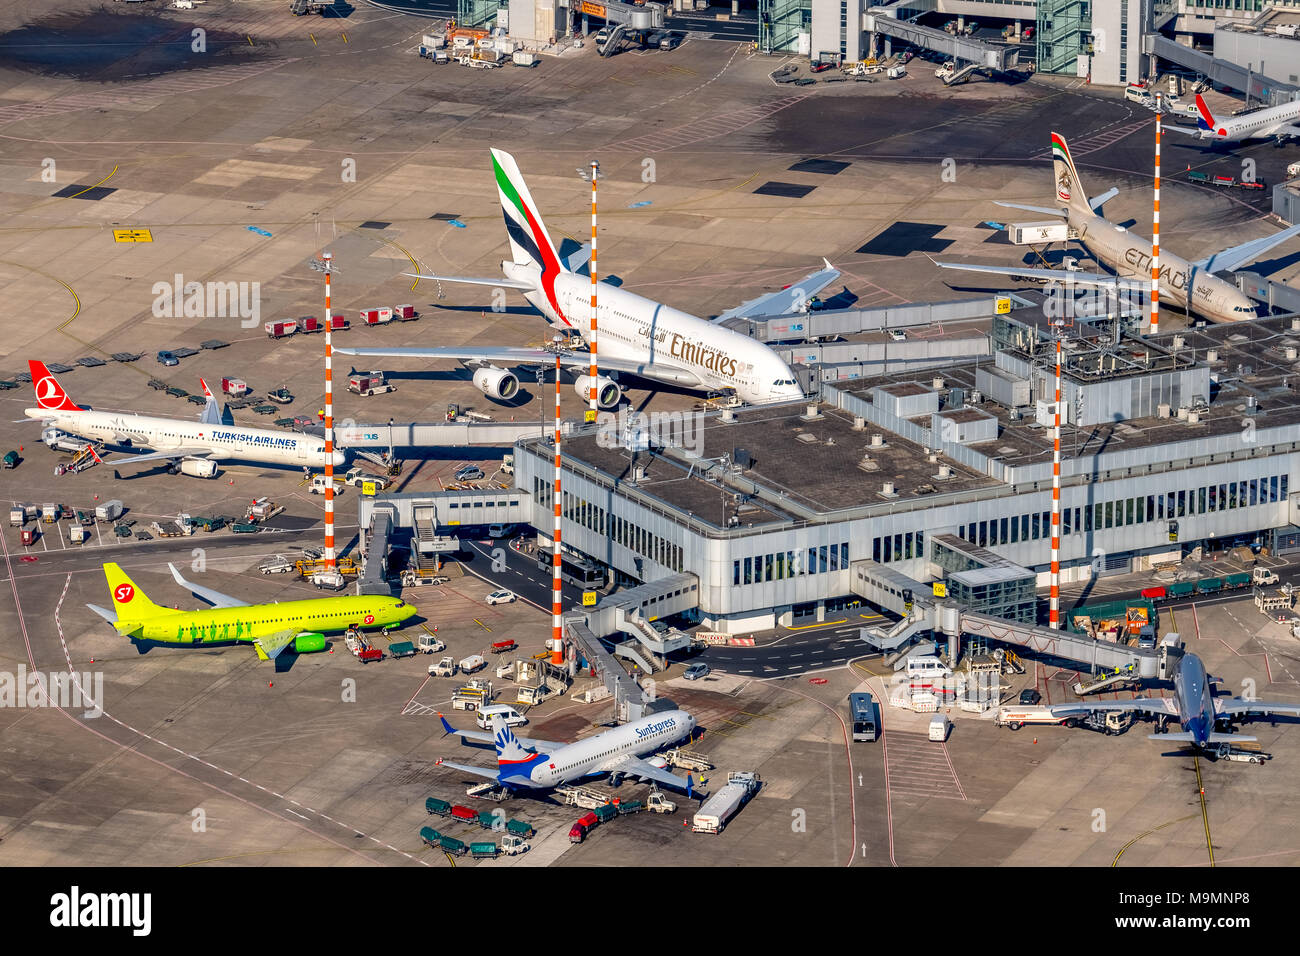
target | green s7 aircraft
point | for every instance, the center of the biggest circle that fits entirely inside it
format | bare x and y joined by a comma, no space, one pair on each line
270,628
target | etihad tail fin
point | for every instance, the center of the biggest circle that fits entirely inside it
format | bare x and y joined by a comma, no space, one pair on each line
529,242
49,393
1069,189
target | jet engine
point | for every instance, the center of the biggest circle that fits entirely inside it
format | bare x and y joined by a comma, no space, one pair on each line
496,382
198,467
608,393
659,762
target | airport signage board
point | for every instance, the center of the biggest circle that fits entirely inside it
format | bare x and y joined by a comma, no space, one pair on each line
588,598
595,9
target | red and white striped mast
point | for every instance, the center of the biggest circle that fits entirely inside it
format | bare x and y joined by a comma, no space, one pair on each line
594,396
329,422
557,622
1054,614
1155,235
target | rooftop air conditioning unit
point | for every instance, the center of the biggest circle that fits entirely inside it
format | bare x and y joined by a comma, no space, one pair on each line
1211,355
877,440
859,423
887,490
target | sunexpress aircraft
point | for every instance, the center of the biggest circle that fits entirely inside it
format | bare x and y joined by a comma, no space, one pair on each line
270,628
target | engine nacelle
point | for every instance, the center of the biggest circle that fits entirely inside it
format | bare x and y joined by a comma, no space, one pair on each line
199,467
659,762
496,382
608,393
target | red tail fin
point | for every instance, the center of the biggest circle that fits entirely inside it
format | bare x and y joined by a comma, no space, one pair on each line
49,393
1205,111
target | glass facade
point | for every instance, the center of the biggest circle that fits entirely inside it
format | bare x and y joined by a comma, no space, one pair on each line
1064,28
477,13
781,22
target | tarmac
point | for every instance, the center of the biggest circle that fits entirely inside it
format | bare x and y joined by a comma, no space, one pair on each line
240,166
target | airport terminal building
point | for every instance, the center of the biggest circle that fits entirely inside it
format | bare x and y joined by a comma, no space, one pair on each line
779,513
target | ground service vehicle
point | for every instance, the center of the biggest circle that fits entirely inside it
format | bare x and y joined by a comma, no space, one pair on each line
444,668
862,712
401,649
939,725
369,383
712,817
429,643
109,510
1017,717
277,564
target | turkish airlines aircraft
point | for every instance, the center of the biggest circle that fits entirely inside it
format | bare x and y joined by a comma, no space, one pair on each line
193,448
637,336
1278,122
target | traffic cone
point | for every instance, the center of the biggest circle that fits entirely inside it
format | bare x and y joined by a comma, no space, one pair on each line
1035,740
270,683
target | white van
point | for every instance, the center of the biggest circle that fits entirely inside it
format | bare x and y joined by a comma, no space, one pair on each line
1138,94
927,667
508,714
939,728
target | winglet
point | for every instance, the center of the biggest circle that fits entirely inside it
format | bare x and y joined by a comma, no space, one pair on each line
446,726
177,575
827,263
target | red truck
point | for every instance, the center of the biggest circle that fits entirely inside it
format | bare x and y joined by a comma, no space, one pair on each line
585,825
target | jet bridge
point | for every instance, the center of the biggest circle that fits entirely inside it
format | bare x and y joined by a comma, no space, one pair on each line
635,16
1255,85
966,49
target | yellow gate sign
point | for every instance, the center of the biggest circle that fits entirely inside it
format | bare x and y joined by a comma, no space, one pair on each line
368,488
940,589
588,598
132,235
1003,305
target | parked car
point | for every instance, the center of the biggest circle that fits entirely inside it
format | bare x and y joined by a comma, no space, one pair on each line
696,671
500,596
500,530
469,473
167,358
1029,697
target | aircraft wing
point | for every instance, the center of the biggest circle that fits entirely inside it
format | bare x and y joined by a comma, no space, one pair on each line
793,298
1233,706
1238,256
268,648
470,768
1059,213
212,411
1286,129
511,355
1078,278
1185,130
169,453
211,595
502,281
1160,706
532,743
636,767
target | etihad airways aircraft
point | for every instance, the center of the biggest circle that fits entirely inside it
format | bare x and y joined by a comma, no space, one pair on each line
1181,282
636,336
1193,705
270,628
192,448
532,764
1279,122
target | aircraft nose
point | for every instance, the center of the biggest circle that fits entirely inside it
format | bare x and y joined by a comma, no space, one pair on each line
340,459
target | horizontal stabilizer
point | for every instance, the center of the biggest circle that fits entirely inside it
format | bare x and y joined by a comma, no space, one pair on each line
1060,213
503,282
103,612
1213,739
1097,202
